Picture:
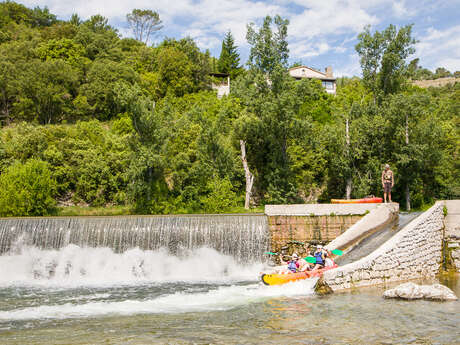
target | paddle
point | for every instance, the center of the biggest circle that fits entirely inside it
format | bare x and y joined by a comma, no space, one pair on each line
337,252
310,259
271,253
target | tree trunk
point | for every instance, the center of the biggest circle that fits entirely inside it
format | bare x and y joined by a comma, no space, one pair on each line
407,197
348,189
349,179
407,182
247,173
407,129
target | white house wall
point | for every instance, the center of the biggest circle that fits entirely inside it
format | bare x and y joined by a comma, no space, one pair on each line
306,73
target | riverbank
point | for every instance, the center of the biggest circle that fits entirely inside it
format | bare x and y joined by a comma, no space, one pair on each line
73,211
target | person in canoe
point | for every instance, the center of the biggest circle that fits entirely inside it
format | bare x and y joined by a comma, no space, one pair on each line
328,262
387,183
293,264
320,257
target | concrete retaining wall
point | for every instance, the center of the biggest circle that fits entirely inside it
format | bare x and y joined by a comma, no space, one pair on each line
294,227
412,253
453,232
319,209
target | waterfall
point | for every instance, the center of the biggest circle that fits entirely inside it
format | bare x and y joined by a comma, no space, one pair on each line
244,237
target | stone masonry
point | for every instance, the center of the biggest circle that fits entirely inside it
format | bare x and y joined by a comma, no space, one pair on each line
313,229
414,252
290,225
453,232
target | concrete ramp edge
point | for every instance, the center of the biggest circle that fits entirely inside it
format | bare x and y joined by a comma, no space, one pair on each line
375,220
414,252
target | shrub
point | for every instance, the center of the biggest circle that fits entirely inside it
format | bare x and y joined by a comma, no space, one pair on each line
27,190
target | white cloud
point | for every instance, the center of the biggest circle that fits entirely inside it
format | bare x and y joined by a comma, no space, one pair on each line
440,48
200,19
306,49
400,9
329,17
319,30
452,64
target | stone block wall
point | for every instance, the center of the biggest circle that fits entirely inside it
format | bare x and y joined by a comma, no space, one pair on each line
414,252
308,229
292,226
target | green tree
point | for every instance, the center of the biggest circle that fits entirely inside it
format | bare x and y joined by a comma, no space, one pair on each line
46,91
279,110
144,23
269,47
229,60
8,86
174,73
64,49
27,190
442,72
383,58
200,62
98,89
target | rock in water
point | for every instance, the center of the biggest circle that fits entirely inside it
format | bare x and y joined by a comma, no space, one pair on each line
436,292
405,291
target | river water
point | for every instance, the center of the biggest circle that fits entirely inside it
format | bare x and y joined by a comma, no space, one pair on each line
76,295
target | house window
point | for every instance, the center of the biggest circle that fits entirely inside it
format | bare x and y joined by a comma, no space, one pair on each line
328,85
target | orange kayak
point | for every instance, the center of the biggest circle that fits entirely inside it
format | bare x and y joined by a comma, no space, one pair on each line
357,201
280,278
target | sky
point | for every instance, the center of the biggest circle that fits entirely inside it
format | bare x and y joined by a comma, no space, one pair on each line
321,32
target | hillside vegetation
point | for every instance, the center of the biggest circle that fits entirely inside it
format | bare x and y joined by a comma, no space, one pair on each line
88,118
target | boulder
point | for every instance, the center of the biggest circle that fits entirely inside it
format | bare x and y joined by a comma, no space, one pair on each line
436,292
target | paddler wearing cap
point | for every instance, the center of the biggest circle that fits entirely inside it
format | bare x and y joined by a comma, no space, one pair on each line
293,264
320,257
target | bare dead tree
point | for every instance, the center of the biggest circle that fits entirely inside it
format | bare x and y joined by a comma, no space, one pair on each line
247,173
407,143
348,187
144,23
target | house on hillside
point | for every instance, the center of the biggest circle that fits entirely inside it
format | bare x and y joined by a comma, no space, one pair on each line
221,83
327,78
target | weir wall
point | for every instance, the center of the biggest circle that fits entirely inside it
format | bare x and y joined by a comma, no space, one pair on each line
295,227
452,234
414,252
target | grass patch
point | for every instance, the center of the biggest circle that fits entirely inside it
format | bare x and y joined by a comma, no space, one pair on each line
94,211
72,211
422,208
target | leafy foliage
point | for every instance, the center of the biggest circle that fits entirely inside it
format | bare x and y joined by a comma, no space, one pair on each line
27,190
89,118
229,60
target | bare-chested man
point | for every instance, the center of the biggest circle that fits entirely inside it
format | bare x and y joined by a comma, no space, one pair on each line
387,183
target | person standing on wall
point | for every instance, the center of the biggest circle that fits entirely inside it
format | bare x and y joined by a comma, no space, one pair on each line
387,183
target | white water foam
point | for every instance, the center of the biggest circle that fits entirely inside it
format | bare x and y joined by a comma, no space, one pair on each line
222,298
73,266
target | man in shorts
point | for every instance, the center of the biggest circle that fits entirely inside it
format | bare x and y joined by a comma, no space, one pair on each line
387,182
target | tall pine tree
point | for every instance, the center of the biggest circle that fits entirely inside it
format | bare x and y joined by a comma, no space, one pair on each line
229,60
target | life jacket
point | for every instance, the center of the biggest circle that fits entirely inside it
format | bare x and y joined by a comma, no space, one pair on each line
292,266
319,258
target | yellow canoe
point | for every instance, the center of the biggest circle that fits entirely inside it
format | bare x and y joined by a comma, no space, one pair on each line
279,278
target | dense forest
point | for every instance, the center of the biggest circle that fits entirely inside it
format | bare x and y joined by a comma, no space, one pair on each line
90,118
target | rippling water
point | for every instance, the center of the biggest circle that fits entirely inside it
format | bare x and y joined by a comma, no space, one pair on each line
95,296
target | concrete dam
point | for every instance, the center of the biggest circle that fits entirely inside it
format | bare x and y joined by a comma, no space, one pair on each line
412,251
